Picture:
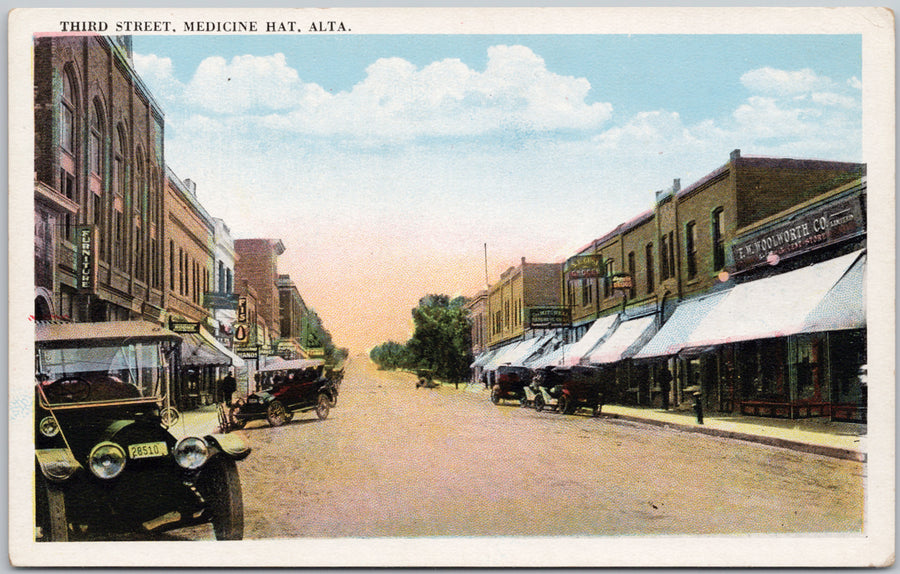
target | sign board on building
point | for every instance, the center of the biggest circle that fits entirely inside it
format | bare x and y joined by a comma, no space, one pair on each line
85,257
247,352
547,317
242,309
621,281
184,326
316,352
241,333
803,232
217,300
584,266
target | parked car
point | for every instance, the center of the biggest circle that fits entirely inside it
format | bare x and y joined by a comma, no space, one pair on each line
104,459
288,387
567,389
510,383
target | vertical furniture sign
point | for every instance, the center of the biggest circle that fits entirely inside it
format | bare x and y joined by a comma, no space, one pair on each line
86,257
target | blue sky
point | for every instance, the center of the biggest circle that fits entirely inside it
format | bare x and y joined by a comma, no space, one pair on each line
385,162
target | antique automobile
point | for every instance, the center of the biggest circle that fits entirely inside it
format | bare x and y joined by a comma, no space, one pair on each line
287,387
569,388
510,384
425,379
105,461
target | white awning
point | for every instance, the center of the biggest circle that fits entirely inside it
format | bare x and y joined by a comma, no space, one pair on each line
800,301
601,329
500,357
676,332
202,349
552,358
624,342
526,350
483,358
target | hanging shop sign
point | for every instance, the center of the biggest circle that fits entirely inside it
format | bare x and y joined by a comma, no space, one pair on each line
316,352
584,266
621,281
242,309
86,257
804,232
184,326
217,300
547,317
247,352
241,333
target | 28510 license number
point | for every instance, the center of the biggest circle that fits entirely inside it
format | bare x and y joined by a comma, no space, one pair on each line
147,449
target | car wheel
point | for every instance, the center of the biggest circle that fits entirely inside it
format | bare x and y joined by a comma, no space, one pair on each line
226,503
275,414
50,513
322,406
538,403
233,419
523,402
562,404
495,395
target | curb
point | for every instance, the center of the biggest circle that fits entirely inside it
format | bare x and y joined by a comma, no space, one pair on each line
823,450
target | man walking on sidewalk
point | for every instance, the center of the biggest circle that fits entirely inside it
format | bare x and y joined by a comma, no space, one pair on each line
664,379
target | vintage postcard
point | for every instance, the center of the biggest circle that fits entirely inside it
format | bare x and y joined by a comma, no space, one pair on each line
451,287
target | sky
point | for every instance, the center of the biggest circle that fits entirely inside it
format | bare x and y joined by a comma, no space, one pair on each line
385,163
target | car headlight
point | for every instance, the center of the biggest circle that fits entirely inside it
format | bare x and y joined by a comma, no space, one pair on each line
191,453
107,460
48,427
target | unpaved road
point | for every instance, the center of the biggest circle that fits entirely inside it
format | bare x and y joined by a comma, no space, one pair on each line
393,460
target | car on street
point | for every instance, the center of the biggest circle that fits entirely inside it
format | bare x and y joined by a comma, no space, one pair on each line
287,387
569,388
510,384
105,461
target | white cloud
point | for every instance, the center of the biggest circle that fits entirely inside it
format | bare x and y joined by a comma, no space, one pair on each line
783,82
833,99
243,84
854,83
158,73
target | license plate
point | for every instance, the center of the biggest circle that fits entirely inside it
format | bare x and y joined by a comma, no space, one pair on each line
147,450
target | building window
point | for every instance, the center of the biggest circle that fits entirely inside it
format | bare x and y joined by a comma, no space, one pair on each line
690,248
221,277
67,115
609,270
228,286
671,254
663,258
648,254
171,265
718,239
632,272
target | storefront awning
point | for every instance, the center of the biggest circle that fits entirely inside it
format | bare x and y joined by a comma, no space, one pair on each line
482,358
503,355
820,297
624,342
676,332
552,358
599,331
203,350
526,350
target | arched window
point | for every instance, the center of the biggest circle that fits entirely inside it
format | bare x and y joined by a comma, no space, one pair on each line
67,109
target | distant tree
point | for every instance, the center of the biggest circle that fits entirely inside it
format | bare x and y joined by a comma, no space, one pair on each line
442,338
390,355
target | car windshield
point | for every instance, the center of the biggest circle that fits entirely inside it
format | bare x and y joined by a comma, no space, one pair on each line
94,374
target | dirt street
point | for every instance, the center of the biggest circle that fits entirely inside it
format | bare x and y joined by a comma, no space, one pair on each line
393,460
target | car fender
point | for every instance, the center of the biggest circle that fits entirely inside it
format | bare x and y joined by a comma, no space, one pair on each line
57,464
231,445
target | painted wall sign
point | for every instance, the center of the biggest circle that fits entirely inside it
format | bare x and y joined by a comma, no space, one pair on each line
621,281
548,317
804,232
184,326
217,300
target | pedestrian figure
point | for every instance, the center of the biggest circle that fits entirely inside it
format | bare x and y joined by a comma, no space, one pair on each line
664,379
229,386
698,407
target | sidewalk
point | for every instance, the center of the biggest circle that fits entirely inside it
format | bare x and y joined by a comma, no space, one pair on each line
816,435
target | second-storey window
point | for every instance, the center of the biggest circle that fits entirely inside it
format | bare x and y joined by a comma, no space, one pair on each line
67,115
649,262
690,248
718,239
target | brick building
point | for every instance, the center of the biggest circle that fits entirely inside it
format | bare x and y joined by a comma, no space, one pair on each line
99,181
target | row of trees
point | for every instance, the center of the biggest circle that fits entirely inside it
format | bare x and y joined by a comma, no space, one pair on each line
441,341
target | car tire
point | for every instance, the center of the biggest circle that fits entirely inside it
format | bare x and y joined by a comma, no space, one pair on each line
222,488
234,420
323,405
50,512
539,403
495,395
562,404
275,414
523,402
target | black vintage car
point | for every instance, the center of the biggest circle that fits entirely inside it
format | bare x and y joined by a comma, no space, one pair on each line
287,387
510,383
105,461
569,388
